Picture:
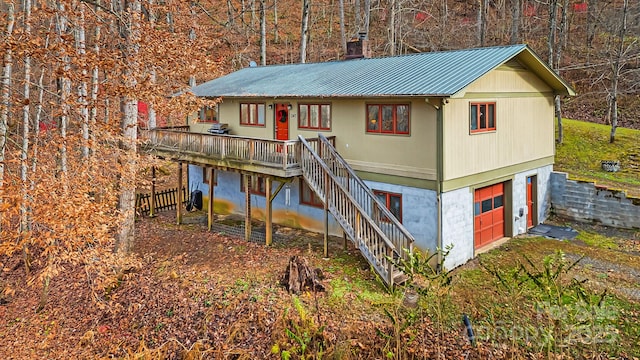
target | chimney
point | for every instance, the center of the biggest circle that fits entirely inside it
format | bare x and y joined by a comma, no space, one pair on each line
358,48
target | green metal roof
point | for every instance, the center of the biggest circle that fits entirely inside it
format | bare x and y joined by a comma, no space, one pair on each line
435,74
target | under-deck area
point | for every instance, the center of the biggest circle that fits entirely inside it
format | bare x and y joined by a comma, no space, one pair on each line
366,221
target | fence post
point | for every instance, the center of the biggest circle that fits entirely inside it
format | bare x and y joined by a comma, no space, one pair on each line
152,201
179,196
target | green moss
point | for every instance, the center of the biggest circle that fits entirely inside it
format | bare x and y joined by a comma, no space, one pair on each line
597,240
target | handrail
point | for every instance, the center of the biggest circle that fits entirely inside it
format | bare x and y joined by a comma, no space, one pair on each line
369,237
266,152
392,227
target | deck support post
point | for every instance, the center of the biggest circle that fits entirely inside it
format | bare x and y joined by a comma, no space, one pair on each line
247,206
211,198
179,200
269,211
152,201
327,196
344,237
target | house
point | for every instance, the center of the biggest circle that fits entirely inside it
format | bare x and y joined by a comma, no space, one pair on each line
455,148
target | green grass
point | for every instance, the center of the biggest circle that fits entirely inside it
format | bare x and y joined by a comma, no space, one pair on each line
514,311
586,144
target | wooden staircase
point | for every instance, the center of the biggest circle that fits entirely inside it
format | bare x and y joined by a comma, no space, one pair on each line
376,232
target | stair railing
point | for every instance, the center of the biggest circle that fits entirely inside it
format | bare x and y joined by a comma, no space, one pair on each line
348,212
377,211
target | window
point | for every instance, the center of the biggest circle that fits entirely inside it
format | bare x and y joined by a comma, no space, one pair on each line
308,196
314,116
205,176
208,114
252,114
388,119
486,205
482,117
392,201
256,185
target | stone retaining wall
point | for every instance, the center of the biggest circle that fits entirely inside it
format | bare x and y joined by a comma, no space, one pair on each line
586,201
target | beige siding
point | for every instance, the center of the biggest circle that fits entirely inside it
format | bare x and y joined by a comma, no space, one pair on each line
524,125
411,155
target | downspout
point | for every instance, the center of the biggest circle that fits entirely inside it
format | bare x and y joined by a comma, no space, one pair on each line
439,179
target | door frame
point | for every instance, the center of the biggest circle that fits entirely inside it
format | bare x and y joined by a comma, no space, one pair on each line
534,200
277,123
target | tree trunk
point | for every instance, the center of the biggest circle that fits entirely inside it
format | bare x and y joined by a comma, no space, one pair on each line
343,34
299,277
26,111
276,33
591,24
515,21
551,35
64,90
263,34
128,125
615,71
304,33
367,16
392,27
558,111
82,89
6,91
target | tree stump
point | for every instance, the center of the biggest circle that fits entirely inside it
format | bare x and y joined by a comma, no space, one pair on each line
300,277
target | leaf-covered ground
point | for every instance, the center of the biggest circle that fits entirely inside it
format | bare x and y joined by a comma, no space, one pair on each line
198,294
203,294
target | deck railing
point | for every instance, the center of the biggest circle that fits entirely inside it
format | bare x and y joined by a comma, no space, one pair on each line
265,152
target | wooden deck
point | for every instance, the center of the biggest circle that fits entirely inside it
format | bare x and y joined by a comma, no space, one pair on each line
228,152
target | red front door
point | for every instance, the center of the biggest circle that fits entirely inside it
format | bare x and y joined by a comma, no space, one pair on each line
530,201
488,214
282,121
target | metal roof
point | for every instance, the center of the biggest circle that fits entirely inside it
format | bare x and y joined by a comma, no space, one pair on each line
424,74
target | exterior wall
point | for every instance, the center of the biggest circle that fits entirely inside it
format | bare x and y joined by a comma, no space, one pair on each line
419,210
584,201
524,125
374,153
519,200
458,217
286,210
457,226
419,213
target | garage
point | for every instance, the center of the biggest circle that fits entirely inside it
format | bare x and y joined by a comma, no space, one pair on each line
488,215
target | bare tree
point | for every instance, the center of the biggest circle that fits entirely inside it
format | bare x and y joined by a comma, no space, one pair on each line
64,90
343,35
24,166
130,29
483,6
617,63
304,33
6,89
263,34
516,6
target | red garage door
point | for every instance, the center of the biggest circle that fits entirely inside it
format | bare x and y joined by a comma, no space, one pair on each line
489,214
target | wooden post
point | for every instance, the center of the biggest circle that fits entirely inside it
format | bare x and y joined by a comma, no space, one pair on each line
247,206
327,196
179,200
344,236
211,198
152,201
269,221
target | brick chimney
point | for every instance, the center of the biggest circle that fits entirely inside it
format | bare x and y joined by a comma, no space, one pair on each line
358,48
